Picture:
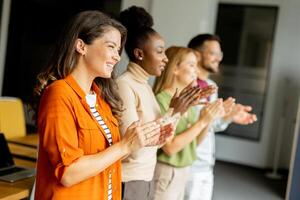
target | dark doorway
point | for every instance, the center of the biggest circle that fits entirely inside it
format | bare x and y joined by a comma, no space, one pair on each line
33,29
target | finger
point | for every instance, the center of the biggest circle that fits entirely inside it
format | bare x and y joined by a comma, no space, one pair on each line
190,85
167,127
193,94
229,104
152,137
134,124
147,125
187,93
217,107
164,137
254,118
169,112
229,101
176,93
247,108
208,90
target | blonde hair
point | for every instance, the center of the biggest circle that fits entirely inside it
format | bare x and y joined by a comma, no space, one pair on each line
175,55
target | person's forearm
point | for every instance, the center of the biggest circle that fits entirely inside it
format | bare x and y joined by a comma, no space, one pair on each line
202,135
90,165
183,139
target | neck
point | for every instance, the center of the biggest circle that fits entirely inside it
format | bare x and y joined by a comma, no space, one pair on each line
172,89
83,79
203,74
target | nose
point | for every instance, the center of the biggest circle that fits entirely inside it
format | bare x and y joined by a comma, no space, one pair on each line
117,57
220,56
165,59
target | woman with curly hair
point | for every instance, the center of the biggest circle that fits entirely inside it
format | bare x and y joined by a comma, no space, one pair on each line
146,51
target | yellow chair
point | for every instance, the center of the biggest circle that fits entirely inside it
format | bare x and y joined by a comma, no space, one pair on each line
12,117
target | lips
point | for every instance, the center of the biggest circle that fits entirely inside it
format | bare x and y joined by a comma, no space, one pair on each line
162,67
110,65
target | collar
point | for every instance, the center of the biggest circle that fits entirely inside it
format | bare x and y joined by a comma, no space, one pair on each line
138,73
75,86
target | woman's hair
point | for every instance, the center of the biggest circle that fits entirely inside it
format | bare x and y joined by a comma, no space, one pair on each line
139,26
175,55
87,26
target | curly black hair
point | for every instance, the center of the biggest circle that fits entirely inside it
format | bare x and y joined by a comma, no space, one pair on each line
139,26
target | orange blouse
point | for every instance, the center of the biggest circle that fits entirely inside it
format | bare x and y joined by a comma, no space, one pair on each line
68,131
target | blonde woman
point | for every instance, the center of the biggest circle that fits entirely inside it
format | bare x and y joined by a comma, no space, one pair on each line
175,157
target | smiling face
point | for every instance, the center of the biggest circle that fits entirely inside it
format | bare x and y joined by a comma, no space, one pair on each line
185,72
211,56
102,55
154,57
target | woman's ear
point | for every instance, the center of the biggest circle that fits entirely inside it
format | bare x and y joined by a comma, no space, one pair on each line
138,54
80,47
175,71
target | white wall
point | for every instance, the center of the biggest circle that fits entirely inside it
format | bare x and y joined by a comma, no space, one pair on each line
285,74
178,21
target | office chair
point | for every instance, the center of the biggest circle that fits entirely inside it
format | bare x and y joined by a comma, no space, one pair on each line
12,117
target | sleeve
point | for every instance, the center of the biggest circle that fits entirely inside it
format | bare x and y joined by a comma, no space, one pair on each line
163,103
59,130
219,125
129,115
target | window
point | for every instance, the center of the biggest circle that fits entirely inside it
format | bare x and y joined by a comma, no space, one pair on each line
247,34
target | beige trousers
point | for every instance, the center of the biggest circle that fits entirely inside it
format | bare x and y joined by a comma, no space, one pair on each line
169,182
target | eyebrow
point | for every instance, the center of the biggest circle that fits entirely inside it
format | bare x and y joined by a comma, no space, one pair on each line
160,46
115,44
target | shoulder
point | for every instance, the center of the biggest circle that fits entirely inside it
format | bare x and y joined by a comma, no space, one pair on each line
57,92
57,100
123,78
163,98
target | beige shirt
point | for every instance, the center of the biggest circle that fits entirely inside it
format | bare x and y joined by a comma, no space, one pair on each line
139,103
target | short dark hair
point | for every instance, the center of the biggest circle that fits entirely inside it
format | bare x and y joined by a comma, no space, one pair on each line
198,41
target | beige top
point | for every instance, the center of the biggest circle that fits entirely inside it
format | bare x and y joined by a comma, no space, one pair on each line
139,103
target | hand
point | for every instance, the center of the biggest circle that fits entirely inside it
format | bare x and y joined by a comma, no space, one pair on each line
167,132
241,115
168,126
228,105
180,102
212,111
204,93
138,136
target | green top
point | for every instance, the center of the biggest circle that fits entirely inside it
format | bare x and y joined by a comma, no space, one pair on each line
187,155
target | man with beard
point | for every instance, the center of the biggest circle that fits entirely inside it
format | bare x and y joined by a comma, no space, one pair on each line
200,182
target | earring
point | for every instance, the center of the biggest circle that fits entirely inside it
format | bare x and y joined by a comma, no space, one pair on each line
140,58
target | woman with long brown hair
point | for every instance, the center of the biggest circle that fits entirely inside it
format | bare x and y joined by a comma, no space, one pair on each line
79,144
